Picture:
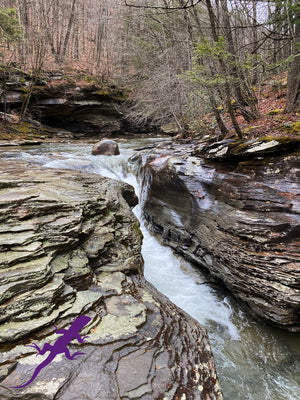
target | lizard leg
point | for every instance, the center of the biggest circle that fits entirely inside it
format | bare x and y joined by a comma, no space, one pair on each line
46,347
68,355
80,339
35,346
59,331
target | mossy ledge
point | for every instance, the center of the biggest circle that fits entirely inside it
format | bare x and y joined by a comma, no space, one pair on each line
28,132
244,150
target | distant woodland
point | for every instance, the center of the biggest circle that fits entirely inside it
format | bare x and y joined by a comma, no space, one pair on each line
179,59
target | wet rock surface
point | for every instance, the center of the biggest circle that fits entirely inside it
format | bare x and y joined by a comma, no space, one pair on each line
239,219
70,245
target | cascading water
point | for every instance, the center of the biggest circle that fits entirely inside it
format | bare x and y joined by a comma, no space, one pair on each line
253,360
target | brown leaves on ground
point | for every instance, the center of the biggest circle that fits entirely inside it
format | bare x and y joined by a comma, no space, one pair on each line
273,120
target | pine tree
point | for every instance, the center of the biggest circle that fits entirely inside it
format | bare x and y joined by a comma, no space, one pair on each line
9,25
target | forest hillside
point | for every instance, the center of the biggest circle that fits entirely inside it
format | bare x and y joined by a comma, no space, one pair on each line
199,67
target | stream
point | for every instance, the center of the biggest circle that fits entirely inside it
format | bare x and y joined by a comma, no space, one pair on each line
253,360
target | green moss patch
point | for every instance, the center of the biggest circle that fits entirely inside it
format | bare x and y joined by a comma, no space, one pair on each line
291,127
275,112
241,150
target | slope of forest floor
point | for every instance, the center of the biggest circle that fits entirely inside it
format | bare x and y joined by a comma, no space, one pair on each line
273,121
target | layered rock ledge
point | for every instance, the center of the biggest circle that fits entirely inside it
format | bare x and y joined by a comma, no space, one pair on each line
70,245
238,218
67,102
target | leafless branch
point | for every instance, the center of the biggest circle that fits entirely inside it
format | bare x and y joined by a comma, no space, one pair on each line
188,4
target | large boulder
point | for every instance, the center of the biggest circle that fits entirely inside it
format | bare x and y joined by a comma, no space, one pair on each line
170,129
239,219
70,245
106,147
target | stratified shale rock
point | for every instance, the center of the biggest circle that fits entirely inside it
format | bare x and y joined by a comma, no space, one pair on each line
87,109
239,219
70,245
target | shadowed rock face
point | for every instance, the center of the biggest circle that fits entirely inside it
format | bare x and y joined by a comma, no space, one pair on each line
70,245
239,220
86,119
87,110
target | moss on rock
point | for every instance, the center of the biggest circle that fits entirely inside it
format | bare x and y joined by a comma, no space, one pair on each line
265,146
275,112
291,127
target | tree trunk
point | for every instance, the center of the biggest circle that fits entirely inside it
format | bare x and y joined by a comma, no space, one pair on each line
67,37
217,115
48,30
235,72
293,88
255,37
223,69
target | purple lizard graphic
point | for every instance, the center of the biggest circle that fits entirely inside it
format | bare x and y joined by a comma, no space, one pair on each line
60,346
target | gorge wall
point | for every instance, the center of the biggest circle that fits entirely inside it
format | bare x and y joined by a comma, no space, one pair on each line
235,215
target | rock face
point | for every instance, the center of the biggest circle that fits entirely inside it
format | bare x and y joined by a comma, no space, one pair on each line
235,150
106,147
238,219
70,245
82,117
84,109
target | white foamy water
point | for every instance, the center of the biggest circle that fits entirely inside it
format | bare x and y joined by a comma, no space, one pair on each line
253,360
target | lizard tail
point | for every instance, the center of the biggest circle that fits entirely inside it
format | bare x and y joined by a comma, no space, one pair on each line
36,372
27,383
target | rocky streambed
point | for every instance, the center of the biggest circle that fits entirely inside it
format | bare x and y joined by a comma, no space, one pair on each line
254,361
235,211
70,245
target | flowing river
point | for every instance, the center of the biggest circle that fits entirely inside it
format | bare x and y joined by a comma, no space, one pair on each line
254,361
